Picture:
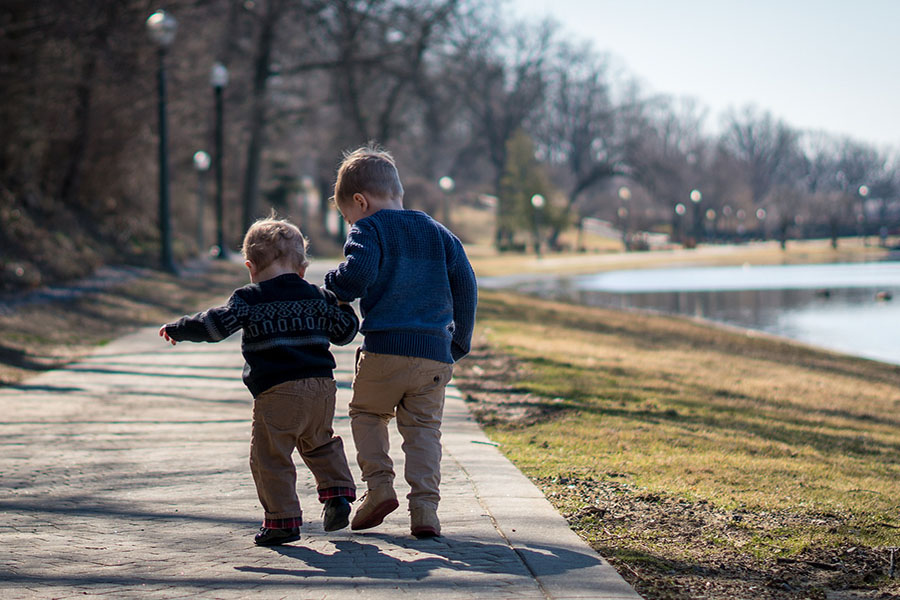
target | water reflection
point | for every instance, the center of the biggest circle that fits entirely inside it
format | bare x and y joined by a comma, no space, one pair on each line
851,311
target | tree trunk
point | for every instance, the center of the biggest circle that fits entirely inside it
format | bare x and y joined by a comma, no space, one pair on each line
84,95
71,182
261,73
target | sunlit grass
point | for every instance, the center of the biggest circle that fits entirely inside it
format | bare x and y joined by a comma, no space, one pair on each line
685,410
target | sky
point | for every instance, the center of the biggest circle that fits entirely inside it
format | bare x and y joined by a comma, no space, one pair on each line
829,65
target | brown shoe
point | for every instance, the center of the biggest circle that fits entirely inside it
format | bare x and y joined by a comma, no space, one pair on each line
424,522
376,504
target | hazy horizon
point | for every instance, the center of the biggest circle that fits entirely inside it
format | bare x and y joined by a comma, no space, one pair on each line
817,64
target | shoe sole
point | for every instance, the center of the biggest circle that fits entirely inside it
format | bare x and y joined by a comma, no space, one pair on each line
278,542
339,522
377,516
426,532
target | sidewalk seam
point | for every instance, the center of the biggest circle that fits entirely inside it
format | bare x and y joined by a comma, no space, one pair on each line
496,525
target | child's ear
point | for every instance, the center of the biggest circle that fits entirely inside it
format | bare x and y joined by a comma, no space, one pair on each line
361,201
250,266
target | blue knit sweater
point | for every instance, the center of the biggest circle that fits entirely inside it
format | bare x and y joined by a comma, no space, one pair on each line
416,287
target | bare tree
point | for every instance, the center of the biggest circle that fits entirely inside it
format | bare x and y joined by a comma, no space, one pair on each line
268,19
503,76
671,155
765,147
825,184
581,127
864,168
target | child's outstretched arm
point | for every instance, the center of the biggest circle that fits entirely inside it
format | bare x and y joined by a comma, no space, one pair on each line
362,253
211,325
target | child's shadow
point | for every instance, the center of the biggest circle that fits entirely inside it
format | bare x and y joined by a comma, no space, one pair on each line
352,559
357,559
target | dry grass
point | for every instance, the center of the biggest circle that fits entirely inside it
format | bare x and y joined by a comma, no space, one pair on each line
43,335
787,450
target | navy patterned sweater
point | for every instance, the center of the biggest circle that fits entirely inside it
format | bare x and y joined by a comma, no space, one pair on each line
287,325
416,287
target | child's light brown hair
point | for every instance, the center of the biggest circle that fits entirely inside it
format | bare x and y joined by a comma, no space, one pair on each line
270,239
367,169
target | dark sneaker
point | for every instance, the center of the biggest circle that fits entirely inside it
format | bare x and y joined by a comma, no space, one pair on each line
337,513
276,537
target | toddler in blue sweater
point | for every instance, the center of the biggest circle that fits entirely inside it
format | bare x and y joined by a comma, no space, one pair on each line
417,296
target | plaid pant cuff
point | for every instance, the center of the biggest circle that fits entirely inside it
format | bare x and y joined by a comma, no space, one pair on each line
288,523
337,492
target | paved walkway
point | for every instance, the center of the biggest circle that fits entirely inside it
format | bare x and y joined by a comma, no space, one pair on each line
125,475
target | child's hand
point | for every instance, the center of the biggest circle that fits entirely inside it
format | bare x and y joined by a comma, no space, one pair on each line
164,334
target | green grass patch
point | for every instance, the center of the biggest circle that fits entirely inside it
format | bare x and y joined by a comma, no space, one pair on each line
664,437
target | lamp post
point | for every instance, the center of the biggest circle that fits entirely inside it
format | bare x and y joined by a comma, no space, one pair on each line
446,184
625,196
201,164
162,27
537,203
761,218
741,215
711,220
863,218
678,222
696,197
218,78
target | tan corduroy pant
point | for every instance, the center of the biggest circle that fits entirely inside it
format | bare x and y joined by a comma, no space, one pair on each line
413,389
295,414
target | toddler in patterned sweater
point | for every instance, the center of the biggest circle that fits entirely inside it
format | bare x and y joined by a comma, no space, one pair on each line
287,326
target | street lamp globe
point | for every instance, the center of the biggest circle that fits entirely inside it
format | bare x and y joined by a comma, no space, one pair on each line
680,209
201,160
696,196
537,201
162,27
218,76
863,190
624,193
446,183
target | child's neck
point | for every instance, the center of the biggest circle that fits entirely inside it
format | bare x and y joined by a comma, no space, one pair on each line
272,271
377,204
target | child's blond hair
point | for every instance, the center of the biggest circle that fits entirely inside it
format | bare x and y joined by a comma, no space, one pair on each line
270,239
367,169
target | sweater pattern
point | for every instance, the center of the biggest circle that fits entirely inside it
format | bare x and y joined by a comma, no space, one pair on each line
287,327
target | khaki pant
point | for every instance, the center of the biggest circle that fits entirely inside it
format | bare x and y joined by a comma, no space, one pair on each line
413,388
295,414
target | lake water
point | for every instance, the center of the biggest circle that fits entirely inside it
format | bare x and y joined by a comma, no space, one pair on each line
851,308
